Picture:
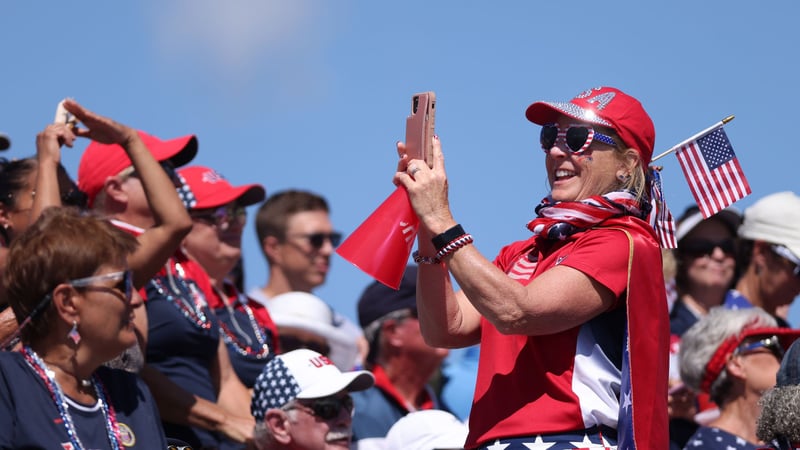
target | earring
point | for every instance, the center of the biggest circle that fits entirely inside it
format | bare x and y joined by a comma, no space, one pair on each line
623,178
73,333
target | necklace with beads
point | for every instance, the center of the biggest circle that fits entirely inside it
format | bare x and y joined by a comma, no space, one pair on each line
49,378
184,296
234,340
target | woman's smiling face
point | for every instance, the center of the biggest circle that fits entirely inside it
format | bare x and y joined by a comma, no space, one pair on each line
575,177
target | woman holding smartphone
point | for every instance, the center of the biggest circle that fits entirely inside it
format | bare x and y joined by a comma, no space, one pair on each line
572,321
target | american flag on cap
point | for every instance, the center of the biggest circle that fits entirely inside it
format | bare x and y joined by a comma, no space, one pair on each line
273,388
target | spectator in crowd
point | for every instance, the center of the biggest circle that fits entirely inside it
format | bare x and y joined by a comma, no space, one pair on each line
201,400
20,180
403,364
706,270
551,312
770,252
218,212
705,273
732,355
296,235
304,321
431,429
779,421
301,401
67,281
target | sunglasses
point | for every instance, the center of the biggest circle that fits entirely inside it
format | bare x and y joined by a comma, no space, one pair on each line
168,167
326,408
705,247
222,217
787,254
123,278
577,137
317,240
772,344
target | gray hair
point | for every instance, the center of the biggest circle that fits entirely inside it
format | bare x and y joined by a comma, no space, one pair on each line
702,340
262,435
780,414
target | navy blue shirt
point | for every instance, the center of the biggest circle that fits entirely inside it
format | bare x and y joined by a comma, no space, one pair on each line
183,351
30,419
709,438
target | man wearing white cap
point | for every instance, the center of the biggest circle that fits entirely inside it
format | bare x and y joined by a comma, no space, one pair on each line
770,252
301,401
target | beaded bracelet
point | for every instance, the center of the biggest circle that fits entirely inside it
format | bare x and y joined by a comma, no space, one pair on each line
454,245
424,259
440,241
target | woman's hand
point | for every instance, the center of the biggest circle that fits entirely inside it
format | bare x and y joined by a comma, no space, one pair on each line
99,128
427,188
50,140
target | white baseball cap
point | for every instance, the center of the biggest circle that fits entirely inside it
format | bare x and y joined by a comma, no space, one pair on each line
775,219
427,430
304,311
730,217
302,374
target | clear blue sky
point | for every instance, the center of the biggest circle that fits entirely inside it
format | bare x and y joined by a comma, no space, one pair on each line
314,94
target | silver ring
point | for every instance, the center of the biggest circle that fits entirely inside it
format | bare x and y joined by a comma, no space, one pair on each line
413,170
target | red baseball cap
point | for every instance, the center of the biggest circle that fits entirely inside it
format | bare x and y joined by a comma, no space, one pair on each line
100,161
207,188
604,106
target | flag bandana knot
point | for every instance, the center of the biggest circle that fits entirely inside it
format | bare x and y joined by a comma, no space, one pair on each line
559,220
713,172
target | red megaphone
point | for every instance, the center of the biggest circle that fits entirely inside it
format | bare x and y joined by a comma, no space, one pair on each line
380,246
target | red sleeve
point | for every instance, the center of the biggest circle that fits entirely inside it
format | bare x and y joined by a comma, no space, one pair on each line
602,255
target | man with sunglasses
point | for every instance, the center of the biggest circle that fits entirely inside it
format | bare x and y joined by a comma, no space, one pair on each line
403,364
770,253
733,356
301,401
218,213
298,240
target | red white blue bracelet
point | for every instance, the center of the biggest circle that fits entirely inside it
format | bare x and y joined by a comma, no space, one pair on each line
449,248
455,244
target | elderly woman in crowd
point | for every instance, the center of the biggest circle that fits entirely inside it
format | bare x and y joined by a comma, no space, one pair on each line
554,313
732,355
68,283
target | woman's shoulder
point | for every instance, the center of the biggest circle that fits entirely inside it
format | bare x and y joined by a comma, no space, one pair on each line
711,438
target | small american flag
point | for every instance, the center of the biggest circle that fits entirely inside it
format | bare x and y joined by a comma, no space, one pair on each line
713,172
660,216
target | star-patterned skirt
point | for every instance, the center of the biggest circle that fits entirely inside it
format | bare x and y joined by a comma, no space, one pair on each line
595,438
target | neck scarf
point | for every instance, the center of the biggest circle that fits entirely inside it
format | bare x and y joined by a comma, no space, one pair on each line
559,220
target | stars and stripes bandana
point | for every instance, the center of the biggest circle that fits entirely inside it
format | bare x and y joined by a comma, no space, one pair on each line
558,221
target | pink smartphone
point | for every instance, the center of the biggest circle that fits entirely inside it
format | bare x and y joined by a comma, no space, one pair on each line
419,127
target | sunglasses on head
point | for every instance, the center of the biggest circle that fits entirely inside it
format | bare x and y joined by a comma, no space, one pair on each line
123,278
704,247
577,137
317,240
326,408
772,344
223,216
787,254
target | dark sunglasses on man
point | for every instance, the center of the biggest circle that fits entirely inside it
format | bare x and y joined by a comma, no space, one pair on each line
326,408
317,240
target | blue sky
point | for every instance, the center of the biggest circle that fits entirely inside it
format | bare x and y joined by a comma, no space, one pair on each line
313,94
